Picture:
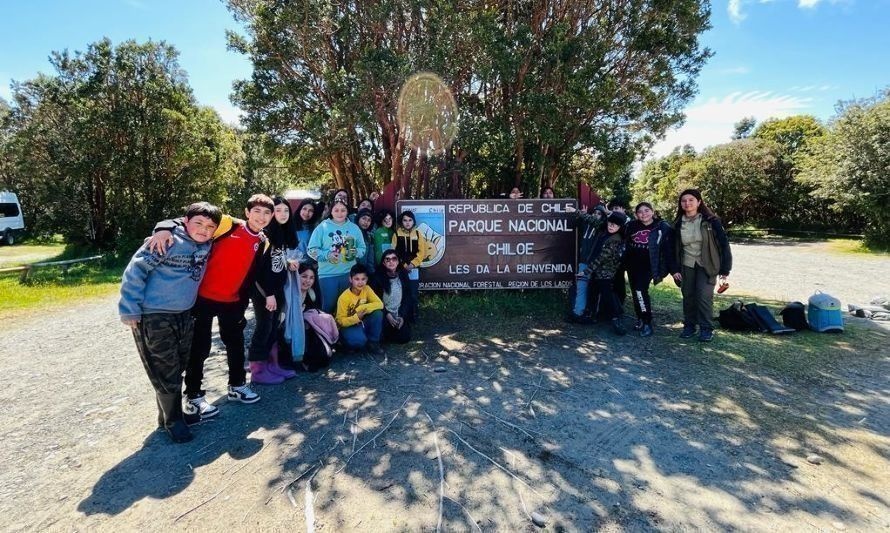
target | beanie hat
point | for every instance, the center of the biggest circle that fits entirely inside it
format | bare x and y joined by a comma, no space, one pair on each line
617,218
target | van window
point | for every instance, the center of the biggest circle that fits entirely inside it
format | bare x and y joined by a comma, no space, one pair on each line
9,210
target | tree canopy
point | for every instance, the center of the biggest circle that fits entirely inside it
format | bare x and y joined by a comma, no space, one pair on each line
535,84
112,142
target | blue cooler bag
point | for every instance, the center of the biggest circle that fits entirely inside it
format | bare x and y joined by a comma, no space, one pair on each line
824,313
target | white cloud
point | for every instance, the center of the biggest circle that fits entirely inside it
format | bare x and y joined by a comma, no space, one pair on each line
228,112
734,7
711,122
805,4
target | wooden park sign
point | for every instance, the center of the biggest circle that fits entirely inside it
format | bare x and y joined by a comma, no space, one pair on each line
496,244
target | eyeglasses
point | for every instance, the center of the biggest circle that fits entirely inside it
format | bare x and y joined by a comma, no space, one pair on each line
390,259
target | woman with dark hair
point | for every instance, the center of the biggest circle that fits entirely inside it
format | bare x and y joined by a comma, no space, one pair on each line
649,257
702,254
547,192
411,245
390,282
305,221
267,295
308,333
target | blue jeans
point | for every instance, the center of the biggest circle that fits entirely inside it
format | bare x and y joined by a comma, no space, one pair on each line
331,289
368,330
581,286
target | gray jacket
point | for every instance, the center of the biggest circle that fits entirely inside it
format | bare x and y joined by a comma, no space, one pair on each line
166,283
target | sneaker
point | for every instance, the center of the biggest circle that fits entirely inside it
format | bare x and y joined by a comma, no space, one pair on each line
205,408
617,327
688,332
243,394
191,414
706,335
646,330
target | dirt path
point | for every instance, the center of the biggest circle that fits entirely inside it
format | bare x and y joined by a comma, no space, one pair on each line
596,433
788,270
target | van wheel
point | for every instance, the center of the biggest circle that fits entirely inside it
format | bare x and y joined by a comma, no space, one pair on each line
9,238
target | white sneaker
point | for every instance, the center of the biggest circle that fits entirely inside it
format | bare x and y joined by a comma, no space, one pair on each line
205,408
243,394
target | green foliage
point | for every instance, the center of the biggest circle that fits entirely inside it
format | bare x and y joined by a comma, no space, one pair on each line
743,128
850,166
112,142
535,85
661,180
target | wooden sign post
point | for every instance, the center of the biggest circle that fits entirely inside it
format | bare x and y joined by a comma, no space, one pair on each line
496,244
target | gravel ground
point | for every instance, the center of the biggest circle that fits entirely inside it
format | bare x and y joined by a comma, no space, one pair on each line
593,432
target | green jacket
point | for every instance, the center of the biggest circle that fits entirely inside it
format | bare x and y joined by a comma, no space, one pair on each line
716,256
382,242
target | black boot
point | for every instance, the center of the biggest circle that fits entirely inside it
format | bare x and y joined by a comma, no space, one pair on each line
174,424
646,330
617,327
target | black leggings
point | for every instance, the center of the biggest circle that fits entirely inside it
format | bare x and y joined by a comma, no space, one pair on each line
639,287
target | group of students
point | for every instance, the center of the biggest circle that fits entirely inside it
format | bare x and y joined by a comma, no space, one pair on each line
317,279
693,250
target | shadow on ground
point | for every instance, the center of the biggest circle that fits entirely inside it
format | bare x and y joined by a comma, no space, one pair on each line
589,430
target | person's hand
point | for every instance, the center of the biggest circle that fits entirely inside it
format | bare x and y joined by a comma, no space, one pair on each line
271,303
583,209
723,278
293,266
361,313
131,322
677,276
333,257
401,322
159,242
393,321
409,266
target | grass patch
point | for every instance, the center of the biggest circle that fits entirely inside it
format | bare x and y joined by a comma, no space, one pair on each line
50,287
510,315
854,247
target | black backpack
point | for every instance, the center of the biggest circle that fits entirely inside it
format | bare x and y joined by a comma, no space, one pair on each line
794,316
737,318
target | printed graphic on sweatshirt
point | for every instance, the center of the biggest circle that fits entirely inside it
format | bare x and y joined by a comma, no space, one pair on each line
279,260
431,224
640,238
342,246
194,264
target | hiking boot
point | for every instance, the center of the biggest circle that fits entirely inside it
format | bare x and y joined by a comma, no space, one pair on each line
374,348
205,408
179,432
706,335
617,327
646,330
243,394
688,332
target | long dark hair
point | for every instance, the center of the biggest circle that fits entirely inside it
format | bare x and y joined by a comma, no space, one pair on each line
705,211
384,281
282,234
310,224
314,291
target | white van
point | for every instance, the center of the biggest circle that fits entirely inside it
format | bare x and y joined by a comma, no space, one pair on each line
11,221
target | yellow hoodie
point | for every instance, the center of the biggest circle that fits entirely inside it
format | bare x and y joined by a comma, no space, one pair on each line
349,304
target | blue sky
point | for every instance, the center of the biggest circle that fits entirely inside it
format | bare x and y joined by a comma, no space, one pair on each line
772,57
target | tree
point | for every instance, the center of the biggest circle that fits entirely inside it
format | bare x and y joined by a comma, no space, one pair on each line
535,83
743,128
114,141
850,166
661,180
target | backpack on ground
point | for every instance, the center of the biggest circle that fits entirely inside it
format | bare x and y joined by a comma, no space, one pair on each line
766,321
737,318
794,316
